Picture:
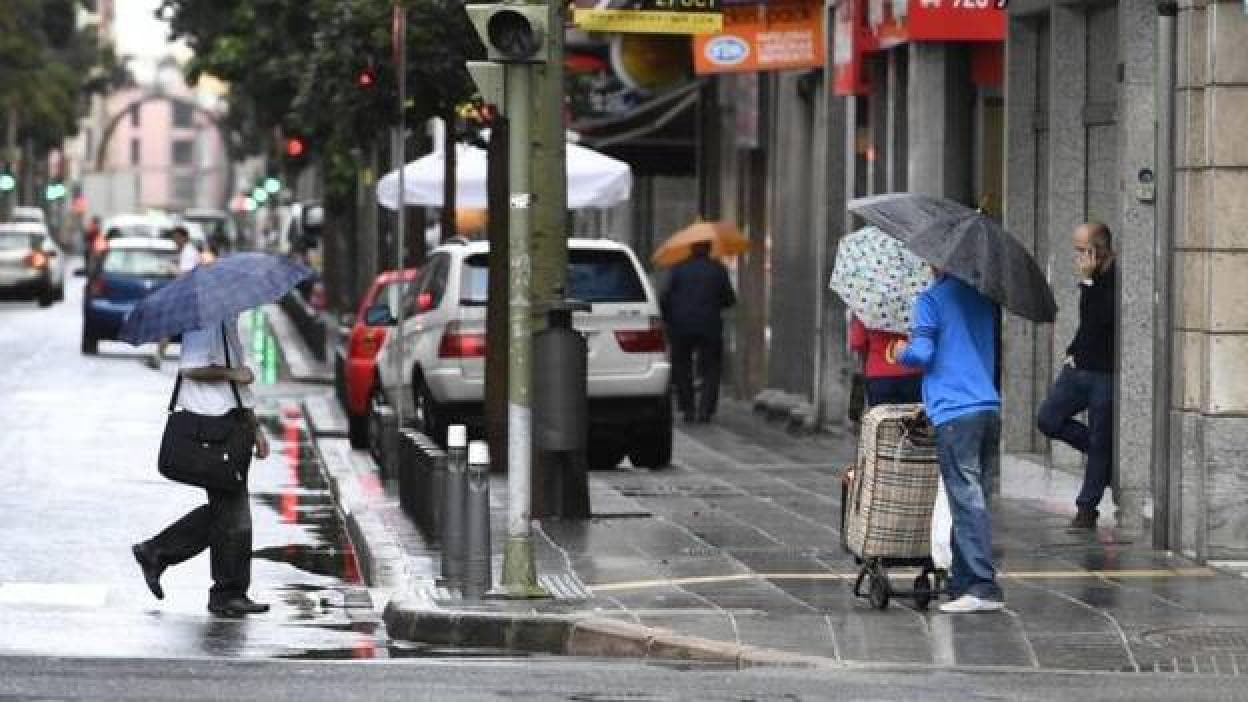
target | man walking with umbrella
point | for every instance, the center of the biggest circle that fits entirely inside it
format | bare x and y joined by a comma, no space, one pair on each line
697,293
211,391
213,382
1087,381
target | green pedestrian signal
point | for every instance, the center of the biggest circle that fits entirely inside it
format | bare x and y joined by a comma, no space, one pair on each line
260,195
55,191
272,185
7,182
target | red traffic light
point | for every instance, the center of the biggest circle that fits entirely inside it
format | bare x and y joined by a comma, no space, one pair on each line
294,147
366,78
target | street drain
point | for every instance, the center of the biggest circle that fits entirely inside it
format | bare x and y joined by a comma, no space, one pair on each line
1227,639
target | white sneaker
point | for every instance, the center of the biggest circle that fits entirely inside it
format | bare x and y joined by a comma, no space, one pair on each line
968,604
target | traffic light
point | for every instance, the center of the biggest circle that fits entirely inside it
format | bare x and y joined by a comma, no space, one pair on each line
272,185
55,191
7,182
295,147
511,33
366,79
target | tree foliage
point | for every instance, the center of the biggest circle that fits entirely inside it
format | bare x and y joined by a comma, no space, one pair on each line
293,67
49,67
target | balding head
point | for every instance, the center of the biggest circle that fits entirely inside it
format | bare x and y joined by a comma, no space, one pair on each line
1094,239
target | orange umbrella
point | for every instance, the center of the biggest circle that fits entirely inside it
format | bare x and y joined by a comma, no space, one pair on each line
726,242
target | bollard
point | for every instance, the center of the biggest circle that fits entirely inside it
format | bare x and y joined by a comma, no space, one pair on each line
434,508
560,415
389,426
477,576
407,468
452,502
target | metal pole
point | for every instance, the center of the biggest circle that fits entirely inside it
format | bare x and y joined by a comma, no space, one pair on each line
519,567
400,150
1166,497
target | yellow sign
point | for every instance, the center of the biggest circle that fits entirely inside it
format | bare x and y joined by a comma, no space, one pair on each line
648,21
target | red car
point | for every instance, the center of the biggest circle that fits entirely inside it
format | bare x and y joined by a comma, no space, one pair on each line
355,357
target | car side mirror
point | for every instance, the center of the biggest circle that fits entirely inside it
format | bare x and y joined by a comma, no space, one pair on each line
424,302
347,319
379,316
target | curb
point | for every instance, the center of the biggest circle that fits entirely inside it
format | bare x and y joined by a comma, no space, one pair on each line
300,362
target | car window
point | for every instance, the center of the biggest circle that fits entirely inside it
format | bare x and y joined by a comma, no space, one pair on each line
133,230
383,294
145,262
594,276
430,282
14,242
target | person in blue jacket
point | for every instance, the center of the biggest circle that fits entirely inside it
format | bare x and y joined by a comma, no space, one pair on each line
953,339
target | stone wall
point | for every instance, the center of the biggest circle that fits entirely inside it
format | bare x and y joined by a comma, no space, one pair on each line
1211,279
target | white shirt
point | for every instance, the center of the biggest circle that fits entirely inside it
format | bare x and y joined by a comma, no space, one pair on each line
188,258
202,348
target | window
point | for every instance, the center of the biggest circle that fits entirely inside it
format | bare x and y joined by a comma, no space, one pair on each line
134,115
184,189
183,152
134,152
143,262
593,276
183,116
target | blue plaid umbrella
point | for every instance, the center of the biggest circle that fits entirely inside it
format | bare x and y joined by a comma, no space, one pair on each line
212,293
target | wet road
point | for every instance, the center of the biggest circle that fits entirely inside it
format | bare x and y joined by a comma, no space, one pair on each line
79,436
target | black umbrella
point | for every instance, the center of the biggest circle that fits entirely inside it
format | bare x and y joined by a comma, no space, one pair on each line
977,250
904,214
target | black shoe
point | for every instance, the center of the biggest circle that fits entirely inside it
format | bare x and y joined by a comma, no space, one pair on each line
237,607
151,570
1085,519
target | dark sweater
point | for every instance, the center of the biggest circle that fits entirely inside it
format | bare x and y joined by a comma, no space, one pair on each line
1093,346
697,292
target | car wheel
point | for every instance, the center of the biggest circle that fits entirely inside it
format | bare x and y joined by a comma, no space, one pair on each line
90,344
652,448
429,413
358,430
604,455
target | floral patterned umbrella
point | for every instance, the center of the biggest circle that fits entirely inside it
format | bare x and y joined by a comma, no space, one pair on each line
878,278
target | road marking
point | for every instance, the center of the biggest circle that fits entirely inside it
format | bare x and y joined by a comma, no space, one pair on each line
53,594
1142,573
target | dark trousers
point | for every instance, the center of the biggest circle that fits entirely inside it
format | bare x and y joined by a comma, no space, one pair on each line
1075,391
903,390
709,350
224,526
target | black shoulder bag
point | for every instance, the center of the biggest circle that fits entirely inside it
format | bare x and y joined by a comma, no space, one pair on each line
207,451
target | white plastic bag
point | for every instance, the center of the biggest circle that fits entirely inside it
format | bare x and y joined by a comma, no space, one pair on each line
942,529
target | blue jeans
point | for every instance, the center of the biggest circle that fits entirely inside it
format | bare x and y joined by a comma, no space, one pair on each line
1075,391
970,459
902,390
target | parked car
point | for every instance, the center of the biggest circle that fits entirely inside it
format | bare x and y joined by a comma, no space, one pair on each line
129,270
31,263
629,402
355,369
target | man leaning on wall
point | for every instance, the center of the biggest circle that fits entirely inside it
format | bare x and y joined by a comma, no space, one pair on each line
1086,381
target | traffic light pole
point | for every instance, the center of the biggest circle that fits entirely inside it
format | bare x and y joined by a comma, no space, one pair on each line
400,152
519,564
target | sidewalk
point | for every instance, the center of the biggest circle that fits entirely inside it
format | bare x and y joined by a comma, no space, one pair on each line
733,555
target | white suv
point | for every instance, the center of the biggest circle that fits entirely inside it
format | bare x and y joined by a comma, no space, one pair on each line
629,403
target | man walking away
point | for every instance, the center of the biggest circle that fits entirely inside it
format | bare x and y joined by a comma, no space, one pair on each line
188,258
697,293
1087,378
224,524
953,338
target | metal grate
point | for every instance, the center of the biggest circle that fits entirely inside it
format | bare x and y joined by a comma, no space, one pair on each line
1228,639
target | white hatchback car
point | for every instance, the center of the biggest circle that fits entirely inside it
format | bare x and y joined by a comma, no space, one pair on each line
629,371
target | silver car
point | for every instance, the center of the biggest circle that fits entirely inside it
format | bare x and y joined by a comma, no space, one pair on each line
31,264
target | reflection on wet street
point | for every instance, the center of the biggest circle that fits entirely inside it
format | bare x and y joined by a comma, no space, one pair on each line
80,436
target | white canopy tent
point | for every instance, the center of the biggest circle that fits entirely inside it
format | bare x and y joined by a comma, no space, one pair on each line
594,180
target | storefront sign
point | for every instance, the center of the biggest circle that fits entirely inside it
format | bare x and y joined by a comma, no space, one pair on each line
896,21
786,34
651,17
851,40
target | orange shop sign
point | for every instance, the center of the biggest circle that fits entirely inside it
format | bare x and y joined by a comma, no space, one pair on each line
777,36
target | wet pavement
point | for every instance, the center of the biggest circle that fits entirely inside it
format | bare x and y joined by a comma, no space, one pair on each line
79,438
739,542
